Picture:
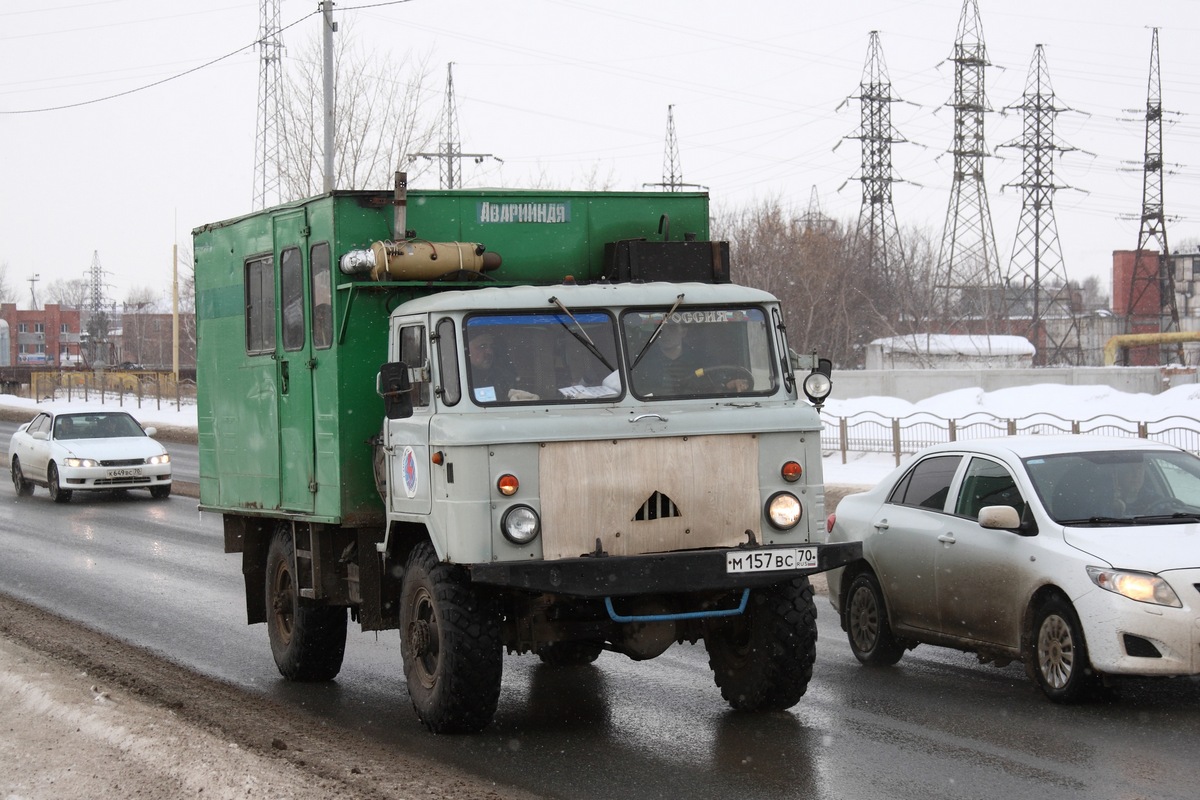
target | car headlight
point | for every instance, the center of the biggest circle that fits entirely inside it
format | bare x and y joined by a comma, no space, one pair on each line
81,462
520,525
165,458
784,510
1140,586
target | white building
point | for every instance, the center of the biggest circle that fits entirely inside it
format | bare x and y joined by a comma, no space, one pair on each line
949,351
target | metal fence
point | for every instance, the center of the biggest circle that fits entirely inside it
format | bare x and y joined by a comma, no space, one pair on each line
138,388
867,431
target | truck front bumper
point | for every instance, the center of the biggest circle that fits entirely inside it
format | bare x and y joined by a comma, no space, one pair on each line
614,576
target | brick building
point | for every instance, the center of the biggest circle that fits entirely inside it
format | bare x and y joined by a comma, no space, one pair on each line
47,336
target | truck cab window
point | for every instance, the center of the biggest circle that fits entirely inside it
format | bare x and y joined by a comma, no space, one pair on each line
449,379
540,357
413,354
699,352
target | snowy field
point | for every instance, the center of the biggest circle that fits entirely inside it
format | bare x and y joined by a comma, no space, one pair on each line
865,469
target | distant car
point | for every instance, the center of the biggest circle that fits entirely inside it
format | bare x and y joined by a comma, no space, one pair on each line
87,451
1078,555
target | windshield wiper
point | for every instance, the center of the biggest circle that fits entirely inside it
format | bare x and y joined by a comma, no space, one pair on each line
1177,516
657,331
1098,521
581,334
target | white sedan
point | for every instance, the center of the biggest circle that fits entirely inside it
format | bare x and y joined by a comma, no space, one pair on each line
1078,555
87,451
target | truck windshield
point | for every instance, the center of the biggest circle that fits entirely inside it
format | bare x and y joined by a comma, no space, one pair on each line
699,352
540,357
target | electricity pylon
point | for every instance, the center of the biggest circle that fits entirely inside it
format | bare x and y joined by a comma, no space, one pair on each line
1165,316
451,155
968,272
877,231
270,81
1036,272
672,180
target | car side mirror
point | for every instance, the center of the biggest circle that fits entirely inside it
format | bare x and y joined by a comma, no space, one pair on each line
1002,517
41,436
150,431
393,385
1007,518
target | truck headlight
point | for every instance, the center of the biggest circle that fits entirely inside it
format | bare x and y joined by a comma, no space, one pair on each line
784,510
1140,586
520,525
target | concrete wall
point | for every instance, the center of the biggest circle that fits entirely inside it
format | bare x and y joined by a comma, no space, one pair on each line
918,384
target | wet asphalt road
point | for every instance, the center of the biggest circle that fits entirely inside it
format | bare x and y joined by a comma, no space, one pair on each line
936,726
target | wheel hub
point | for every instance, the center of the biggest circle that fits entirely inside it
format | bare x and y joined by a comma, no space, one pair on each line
418,637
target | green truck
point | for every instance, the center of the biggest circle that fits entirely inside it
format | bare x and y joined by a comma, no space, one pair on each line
538,422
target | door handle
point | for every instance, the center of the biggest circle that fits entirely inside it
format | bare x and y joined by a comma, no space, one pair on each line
947,538
283,377
882,525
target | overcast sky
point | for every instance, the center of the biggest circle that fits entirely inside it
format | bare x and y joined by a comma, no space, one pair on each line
564,90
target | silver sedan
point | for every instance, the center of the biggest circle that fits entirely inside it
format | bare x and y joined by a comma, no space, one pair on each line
1078,555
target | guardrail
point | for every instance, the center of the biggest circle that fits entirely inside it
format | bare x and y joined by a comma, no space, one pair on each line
868,431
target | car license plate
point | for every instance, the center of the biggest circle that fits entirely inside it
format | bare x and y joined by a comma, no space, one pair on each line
775,559
132,472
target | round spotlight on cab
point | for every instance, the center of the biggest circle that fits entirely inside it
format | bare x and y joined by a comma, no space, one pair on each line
784,510
817,387
520,525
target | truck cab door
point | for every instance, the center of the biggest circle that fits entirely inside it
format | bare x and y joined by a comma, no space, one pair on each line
406,441
295,363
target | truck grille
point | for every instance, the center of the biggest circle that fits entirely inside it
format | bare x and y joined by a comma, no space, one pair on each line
648,495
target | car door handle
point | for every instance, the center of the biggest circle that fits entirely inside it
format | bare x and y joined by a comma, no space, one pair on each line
882,525
947,538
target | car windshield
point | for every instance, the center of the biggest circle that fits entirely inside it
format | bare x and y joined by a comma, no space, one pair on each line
1118,486
96,426
542,357
699,352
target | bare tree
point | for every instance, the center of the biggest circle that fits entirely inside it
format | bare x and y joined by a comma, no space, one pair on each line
7,293
68,292
381,117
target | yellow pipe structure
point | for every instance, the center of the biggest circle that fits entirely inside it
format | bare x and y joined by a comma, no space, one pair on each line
1136,339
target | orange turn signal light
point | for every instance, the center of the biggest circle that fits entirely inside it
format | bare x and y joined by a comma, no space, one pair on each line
507,485
791,471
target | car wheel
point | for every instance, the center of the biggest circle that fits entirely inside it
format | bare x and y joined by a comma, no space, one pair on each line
1058,652
23,487
160,492
570,654
307,641
867,627
450,641
762,659
57,493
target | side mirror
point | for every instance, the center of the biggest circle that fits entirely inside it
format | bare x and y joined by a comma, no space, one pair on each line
393,385
1008,518
150,431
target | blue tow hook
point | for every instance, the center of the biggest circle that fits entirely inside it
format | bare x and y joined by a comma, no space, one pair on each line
726,612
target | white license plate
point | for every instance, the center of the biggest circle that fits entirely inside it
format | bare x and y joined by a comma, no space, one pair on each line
132,472
781,558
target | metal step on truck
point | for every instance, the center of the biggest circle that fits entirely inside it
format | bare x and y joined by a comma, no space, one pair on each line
538,422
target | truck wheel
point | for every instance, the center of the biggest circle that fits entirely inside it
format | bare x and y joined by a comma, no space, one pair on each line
308,641
450,640
867,627
762,660
23,487
57,493
570,654
1058,653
